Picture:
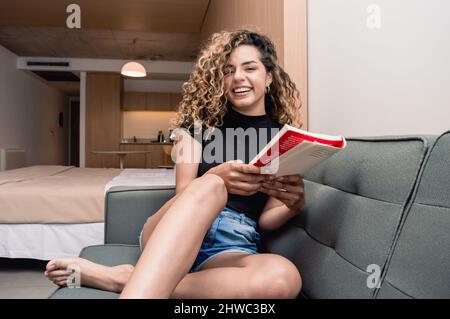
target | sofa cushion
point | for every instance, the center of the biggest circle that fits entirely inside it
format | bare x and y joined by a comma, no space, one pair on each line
354,202
420,264
108,255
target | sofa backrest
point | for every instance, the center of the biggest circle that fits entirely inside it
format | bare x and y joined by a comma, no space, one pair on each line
355,202
419,266
127,210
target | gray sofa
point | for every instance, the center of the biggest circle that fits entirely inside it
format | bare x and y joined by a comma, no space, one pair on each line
378,209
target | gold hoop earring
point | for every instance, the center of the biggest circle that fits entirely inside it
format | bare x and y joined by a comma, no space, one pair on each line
267,89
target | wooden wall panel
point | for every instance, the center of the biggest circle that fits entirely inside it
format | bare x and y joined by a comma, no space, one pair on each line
103,120
264,16
296,50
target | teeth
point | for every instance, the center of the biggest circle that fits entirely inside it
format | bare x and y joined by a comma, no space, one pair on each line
241,90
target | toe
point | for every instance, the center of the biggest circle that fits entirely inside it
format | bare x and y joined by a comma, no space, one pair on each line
50,265
58,273
58,264
59,279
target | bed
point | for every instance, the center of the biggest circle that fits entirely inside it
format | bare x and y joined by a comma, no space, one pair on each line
52,211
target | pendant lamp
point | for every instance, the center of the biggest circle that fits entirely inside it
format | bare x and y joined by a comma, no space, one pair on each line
133,68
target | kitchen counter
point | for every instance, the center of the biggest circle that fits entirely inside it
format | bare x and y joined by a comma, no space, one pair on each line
145,143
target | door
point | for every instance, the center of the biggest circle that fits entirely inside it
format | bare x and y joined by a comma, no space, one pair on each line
74,133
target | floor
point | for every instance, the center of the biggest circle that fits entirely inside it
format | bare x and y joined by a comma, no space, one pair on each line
24,279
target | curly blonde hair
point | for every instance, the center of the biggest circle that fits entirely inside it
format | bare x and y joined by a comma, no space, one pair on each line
204,96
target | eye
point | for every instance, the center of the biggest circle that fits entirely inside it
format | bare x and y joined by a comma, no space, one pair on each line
228,71
250,69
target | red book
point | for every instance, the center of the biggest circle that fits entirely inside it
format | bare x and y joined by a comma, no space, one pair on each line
294,151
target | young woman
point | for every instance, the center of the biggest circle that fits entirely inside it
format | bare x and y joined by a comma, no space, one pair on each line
203,242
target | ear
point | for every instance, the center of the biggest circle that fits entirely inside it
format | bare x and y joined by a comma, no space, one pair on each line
269,78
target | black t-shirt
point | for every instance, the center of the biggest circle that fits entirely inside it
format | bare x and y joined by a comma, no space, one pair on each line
248,135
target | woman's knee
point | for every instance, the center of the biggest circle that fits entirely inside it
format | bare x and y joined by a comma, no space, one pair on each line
278,279
207,185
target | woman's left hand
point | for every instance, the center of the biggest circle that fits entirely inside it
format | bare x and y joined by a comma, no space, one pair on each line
288,189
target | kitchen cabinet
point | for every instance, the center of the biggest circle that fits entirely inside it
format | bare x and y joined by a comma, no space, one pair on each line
150,101
134,100
135,160
175,99
153,159
158,102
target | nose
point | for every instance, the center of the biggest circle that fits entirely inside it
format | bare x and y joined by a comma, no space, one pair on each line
238,75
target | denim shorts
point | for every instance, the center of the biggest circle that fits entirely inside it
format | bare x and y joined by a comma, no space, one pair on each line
231,231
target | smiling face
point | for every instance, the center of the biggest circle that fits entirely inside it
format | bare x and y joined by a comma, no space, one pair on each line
246,79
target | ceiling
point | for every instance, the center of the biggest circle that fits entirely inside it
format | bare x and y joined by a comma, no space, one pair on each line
160,29
141,15
99,43
163,29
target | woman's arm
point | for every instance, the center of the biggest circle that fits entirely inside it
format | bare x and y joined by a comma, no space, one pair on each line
188,155
283,204
239,178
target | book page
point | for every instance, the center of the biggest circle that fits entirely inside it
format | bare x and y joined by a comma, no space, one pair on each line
275,164
299,160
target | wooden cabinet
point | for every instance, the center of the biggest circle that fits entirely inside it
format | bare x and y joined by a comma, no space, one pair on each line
175,99
135,160
157,155
154,158
158,101
134,100
150,101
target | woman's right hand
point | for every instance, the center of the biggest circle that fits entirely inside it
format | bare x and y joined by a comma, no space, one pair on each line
239,178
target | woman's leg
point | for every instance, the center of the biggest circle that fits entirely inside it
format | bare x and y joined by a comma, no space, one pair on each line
174,243
153,220
229,275
240,275
100,276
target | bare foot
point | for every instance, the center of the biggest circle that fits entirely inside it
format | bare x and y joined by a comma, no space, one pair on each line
92,274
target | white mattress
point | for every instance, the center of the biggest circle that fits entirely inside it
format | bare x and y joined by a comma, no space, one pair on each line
48,241
143,177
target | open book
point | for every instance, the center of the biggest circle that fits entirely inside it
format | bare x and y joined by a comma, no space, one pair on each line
294,151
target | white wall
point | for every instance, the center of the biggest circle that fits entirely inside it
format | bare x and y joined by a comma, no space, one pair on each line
389,80
29,111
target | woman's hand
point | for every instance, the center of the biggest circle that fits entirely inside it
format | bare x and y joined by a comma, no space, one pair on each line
288,189
239,178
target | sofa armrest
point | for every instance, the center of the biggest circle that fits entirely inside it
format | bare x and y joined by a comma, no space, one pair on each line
127,209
